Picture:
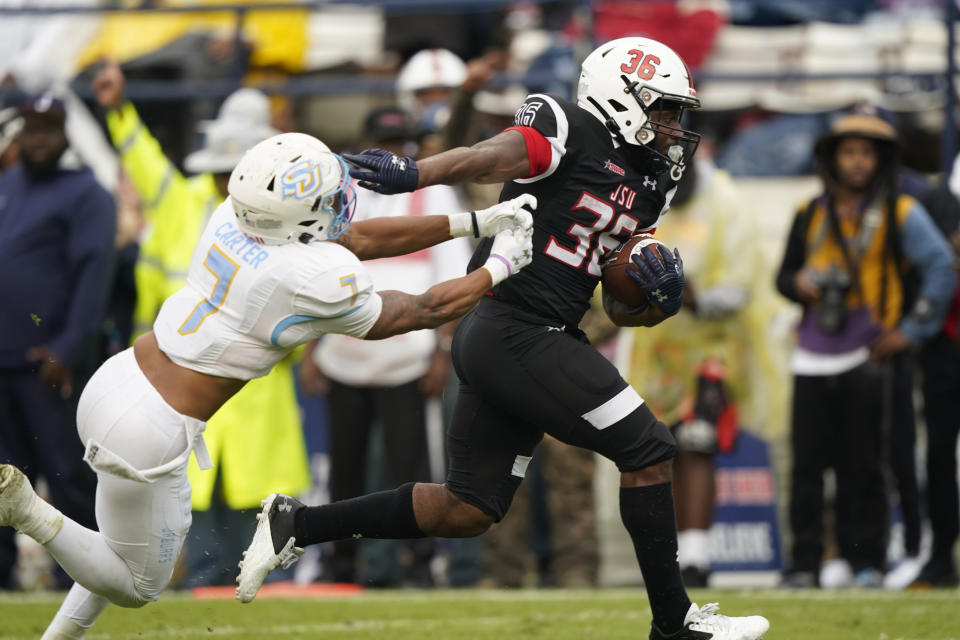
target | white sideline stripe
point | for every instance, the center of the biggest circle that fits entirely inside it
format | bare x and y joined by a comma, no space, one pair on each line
520,464
614,410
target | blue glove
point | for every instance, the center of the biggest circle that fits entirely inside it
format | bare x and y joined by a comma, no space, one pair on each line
384,172
662,283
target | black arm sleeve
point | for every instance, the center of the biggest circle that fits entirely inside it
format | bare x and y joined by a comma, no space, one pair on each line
794,256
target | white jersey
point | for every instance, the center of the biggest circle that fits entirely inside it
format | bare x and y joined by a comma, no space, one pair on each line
247,305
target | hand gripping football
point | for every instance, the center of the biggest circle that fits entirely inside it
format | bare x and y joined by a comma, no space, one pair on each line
614,277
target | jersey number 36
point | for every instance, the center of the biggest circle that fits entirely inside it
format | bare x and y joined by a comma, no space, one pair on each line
596,240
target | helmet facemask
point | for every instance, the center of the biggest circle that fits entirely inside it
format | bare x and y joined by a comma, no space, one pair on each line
339,204
662,117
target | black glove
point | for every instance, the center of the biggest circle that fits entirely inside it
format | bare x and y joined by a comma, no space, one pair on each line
662,283
384,172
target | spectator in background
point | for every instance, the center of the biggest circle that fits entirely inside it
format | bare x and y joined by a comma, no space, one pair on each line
426,86
940,362
255,439
392,381
714,362
844,262
56,251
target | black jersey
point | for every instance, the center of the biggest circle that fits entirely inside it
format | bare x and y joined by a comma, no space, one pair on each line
589,200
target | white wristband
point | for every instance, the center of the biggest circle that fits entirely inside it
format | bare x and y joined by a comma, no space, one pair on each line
499,268
461,224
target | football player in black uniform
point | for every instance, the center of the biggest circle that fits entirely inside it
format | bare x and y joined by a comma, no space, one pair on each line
602,170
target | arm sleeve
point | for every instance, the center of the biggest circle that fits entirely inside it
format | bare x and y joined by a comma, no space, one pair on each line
926,248
152,174
341,300
793,258
90,256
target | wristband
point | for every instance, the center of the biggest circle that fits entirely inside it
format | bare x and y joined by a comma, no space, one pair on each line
499,268
462,224
476,225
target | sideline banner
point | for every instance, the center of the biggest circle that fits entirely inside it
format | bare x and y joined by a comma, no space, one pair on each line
745,535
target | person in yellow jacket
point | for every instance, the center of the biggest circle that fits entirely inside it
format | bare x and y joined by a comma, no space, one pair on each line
256,439
718,357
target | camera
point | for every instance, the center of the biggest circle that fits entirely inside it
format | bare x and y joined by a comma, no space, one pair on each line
832,312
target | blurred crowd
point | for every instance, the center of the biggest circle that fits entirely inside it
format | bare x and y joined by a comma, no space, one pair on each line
846,358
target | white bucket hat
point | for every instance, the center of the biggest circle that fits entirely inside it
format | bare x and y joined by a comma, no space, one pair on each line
243,121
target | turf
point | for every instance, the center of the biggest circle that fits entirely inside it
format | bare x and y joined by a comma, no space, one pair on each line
500,615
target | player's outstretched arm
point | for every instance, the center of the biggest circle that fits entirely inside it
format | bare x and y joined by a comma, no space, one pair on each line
402,312
498,159
387,237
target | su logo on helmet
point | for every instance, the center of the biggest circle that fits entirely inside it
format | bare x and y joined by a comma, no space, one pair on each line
301,180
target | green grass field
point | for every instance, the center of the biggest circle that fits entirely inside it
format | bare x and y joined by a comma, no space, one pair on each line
501,615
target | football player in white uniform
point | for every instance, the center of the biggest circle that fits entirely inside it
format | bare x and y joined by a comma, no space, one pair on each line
277,266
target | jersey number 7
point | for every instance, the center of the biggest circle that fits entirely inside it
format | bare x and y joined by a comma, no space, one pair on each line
223,269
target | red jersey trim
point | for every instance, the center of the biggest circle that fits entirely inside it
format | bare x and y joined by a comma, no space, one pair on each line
539,150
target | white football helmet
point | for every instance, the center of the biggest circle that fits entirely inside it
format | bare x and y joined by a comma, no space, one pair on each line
290,185
428,69
627,83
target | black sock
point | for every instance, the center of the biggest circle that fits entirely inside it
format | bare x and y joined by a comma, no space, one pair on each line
648,515
386,514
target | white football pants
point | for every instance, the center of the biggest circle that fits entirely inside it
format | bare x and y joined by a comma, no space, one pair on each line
125,423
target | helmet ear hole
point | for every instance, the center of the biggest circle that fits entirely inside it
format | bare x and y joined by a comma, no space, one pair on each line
617,106
306,223
270,185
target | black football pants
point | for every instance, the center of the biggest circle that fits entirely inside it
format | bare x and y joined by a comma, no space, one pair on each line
837,422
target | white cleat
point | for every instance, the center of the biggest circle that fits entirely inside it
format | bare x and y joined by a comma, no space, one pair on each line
22,509
706,624
273,544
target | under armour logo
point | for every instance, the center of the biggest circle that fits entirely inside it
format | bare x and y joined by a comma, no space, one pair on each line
284,506
649,182
525,254
400,162
357,536
656,293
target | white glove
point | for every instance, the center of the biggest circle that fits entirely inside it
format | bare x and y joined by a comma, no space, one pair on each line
512,248
490,221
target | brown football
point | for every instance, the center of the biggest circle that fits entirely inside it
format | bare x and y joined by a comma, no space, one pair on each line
614,277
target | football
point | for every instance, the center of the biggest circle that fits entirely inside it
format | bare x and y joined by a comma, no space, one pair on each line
614,276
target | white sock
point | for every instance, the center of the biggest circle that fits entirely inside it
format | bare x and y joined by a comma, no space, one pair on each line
693,548
78,612
88,559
